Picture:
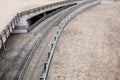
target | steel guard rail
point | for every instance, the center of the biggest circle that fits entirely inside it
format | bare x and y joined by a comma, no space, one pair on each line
8,29
59,31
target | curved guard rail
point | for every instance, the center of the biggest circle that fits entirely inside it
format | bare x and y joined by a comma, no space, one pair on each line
47,6
8,29
61,27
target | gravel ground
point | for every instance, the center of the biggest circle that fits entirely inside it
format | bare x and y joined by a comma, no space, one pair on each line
89,47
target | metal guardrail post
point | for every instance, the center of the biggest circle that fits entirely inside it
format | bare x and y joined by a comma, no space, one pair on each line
49,54
44,15
1,38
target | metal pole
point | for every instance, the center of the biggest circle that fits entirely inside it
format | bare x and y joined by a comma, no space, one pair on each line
44,16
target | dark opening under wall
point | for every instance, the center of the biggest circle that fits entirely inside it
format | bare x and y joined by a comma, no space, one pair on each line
35,18
34,21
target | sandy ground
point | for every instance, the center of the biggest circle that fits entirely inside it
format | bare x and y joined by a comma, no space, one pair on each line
89,47
8,8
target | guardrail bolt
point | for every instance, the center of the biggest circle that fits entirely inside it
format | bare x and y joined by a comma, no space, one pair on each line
45,65
57,32
55,38
49,54
4,46
52,45
60,27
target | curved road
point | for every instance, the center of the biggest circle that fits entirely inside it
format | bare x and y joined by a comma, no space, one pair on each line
89,47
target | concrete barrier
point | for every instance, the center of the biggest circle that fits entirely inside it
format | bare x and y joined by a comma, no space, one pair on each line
21,26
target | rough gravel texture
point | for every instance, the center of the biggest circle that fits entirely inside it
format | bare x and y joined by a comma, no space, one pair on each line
89,47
